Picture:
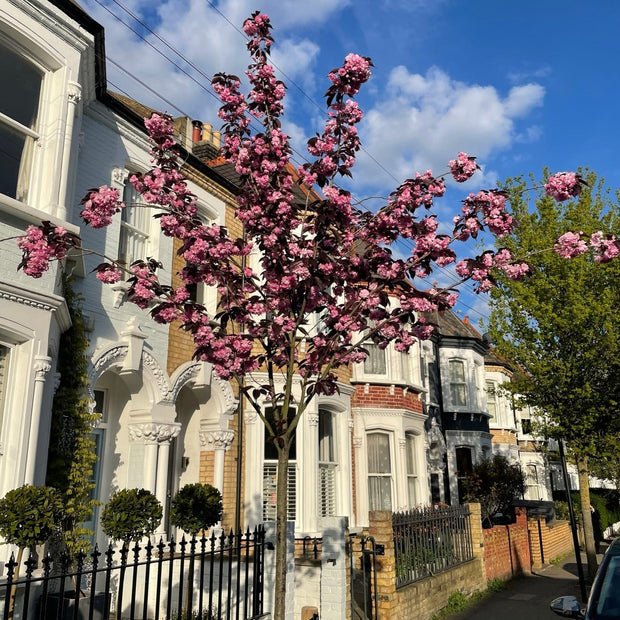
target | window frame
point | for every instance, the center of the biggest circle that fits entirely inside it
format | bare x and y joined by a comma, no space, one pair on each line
28,133
411,445
327,479
389,475
129,229
456,383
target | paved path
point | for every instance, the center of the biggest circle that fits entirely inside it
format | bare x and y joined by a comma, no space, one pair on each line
528,598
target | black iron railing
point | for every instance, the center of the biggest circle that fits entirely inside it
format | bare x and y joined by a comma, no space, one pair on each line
197,579
428,541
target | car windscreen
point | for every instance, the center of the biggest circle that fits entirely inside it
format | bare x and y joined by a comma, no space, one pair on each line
607,604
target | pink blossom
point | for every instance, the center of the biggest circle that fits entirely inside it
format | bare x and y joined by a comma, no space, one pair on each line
563,185
463,167
571,244
606,248
40,245
108,274
100,205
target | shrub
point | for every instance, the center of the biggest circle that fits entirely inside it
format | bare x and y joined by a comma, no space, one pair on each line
131,514
196,507
495,483
29,515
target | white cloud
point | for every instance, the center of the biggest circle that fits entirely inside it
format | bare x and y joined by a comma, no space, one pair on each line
209,38
422,121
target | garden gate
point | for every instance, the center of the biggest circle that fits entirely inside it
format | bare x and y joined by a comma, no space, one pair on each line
363,552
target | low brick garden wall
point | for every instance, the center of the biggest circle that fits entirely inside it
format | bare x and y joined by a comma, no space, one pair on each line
549,541
507,549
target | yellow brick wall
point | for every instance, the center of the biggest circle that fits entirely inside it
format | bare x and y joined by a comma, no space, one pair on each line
555,539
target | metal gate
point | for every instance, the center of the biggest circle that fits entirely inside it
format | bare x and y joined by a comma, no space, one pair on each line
363,554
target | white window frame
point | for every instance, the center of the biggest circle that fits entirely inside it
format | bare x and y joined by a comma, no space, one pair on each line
269,484
5,385
381,475
328,466
457,382
369,362
31,135
492,401
413,489
136,226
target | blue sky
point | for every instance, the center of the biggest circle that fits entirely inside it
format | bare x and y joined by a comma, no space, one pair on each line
521,85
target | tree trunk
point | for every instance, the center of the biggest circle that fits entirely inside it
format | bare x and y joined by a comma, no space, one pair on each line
281,544
588,532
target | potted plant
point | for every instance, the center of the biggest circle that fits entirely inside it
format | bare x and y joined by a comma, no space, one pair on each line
29,515
195,508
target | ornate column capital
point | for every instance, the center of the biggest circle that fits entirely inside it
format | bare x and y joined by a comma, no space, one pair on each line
42,365
357,442
313,419
151,432
216,440
74,93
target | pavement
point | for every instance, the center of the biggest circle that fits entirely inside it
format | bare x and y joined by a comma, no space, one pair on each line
529,596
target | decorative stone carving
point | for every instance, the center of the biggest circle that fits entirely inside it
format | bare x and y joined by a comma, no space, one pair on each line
151,432
119,176
42,366
357,442
215,440
435,448
74,94
313,419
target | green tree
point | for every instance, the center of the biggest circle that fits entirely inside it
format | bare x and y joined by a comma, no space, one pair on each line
494,483
561,325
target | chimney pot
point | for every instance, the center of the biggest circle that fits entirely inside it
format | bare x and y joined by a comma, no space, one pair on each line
196,131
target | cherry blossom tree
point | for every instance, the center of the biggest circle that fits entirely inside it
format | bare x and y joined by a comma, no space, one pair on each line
327,278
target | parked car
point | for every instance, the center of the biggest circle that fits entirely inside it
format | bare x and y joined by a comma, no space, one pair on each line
604,600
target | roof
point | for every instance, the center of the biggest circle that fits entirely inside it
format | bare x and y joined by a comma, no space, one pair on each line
210,154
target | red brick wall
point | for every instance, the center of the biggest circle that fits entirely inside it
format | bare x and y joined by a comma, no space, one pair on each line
386,397
507,549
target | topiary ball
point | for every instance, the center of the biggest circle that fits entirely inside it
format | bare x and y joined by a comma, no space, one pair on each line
196,507
131,514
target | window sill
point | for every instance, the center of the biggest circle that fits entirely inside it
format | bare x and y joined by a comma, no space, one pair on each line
31,215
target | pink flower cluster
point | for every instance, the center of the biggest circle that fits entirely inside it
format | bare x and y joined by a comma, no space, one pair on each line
606,247
463,167
563,185
349,78
100,205
42,244
571,244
